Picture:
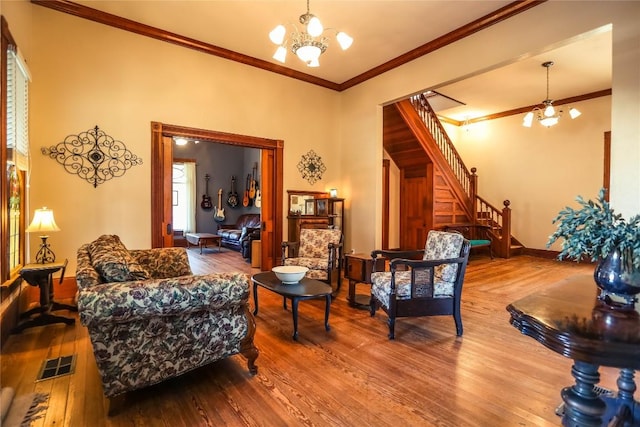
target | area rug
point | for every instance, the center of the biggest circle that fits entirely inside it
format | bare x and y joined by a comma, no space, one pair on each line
20,411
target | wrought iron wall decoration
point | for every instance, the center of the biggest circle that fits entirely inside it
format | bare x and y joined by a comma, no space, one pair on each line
93,155
311,167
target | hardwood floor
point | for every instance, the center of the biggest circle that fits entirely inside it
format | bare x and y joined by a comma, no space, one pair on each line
350,376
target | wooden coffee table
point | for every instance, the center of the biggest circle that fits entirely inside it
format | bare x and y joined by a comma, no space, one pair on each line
305,289
203,239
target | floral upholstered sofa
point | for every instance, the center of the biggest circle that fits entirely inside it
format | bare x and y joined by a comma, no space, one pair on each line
150,319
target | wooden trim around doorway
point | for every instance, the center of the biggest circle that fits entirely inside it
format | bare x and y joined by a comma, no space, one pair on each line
271,180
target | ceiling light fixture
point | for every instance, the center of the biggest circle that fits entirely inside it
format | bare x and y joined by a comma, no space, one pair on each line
307,44
547,116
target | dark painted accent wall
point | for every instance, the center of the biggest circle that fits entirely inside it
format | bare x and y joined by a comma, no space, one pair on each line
221,162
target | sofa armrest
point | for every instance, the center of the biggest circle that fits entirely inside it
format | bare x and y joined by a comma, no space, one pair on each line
127,301
247,232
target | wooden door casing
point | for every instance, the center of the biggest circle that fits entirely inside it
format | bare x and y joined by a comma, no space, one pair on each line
386,165
606,179
271,180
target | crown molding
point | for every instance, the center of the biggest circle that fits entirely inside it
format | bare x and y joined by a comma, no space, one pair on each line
115,21
520,110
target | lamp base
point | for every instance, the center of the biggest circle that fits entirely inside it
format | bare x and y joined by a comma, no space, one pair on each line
45,254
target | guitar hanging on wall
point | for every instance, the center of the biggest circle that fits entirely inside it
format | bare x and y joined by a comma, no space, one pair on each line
219,215
206,200
258,202
232,198
252,189
246,201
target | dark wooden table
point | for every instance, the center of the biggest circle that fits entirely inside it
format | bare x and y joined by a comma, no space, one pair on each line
203,239
358,269
41,275
569,319
305,289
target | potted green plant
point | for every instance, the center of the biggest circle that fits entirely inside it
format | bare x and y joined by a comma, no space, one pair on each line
596,232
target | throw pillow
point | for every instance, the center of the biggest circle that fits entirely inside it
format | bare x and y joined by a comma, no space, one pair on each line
112,260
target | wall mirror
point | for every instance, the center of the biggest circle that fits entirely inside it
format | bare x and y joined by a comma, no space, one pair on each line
304,202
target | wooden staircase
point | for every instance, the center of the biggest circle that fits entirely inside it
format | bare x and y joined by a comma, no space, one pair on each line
415,139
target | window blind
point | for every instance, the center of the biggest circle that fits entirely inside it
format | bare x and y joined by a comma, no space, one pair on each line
18,78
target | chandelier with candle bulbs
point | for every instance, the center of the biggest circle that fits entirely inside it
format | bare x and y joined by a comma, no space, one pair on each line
548,116
307,44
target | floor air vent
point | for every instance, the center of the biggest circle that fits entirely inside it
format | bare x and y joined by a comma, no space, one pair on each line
53,368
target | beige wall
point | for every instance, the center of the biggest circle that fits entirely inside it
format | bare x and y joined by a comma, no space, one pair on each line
18,15
86,74
540,170
505,42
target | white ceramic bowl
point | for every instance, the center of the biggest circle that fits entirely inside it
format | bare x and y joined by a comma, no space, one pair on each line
290,274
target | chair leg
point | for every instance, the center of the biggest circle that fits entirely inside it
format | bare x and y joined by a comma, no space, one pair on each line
458,320
372,306
392,327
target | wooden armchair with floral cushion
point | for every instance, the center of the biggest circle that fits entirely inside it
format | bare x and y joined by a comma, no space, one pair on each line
150,319
431,286
320,250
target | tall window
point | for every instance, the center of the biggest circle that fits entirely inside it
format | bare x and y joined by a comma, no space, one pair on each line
184,196
14,154
17,148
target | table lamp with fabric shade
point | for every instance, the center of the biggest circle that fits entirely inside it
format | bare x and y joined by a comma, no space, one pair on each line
43,222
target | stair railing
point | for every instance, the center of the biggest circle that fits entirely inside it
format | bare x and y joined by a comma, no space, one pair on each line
499,222
485,213
431,121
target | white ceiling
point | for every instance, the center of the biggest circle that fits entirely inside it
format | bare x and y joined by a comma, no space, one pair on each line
382,30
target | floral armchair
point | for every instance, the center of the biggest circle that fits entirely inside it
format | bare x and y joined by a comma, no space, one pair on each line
431,286
150,319
319,249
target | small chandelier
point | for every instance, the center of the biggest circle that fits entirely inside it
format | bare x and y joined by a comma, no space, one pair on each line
547,116
307,44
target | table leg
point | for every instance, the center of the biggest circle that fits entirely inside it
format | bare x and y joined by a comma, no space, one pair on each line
46,291
624,408
326,313
255,298
42,320
59,306
352,293
583,407
294,311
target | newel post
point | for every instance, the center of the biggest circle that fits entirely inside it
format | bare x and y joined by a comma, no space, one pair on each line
506,229
473,193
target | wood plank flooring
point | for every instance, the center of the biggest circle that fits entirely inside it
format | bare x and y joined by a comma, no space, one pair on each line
350,376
